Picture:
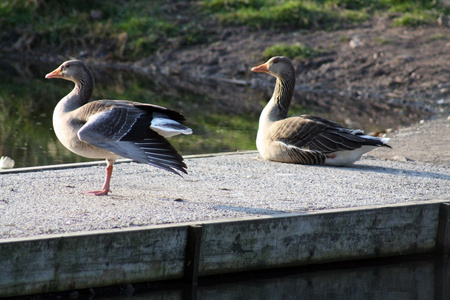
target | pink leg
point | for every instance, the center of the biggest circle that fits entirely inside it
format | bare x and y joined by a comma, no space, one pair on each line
105,189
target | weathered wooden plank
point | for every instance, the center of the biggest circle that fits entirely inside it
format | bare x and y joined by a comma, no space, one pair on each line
76,261
192,254
318,238
443,238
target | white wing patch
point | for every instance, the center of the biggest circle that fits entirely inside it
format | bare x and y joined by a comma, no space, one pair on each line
167,127
384,140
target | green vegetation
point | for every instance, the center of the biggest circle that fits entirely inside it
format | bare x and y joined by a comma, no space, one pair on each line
297,50
328,14
438,36
275,14
128,30
416,18
121,29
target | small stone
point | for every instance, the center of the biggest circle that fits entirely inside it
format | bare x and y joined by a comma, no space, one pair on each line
414,75
400,158
355,42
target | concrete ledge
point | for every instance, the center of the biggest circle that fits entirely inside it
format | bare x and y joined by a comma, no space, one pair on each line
71,261
315,238
100,258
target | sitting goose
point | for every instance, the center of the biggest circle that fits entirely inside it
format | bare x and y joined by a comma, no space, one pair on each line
304,139
114,128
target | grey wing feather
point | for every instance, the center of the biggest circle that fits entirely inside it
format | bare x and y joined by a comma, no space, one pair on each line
126,132
322,135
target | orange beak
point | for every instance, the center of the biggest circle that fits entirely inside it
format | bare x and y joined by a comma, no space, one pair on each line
54,74
261,68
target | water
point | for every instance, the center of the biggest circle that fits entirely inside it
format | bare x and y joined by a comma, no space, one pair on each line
224,116
425,278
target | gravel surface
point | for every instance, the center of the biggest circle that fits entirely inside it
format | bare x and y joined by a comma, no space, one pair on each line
425,142
217,187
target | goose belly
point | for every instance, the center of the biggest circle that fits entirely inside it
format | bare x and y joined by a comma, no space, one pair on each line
84,149
345,158
263,144
259,142
67,135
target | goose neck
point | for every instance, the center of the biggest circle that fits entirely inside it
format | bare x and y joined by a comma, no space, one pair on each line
282,95
81,93
85,87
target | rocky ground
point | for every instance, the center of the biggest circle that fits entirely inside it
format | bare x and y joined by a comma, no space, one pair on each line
427,141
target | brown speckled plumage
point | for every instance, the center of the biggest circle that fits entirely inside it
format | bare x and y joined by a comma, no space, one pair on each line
304,139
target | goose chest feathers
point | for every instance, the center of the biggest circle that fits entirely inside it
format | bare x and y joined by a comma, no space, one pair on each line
111,129
304,139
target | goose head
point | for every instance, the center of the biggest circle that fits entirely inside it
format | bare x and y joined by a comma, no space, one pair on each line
278,66
72,70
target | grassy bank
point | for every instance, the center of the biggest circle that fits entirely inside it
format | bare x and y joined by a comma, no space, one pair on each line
128,30
328,14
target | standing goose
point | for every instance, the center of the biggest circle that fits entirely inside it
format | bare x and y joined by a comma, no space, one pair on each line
304,139
114,128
